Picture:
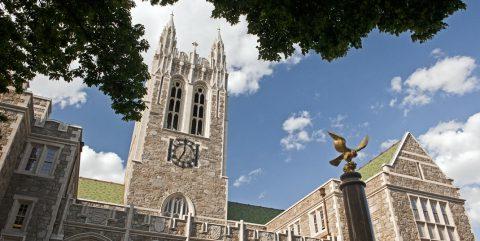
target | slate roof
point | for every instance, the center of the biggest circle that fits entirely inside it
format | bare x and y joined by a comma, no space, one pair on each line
102,191
374,166
251,213
110,192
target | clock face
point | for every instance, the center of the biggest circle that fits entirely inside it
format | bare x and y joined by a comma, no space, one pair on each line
183,153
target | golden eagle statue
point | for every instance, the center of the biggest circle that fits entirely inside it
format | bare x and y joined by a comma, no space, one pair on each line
347,153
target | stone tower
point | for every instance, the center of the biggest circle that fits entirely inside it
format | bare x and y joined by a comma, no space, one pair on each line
177,156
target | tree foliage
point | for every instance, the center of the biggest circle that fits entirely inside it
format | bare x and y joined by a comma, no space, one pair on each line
96,41
331,27
89,39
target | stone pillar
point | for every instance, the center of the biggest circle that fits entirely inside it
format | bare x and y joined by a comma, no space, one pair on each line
241,231
356,207
128,224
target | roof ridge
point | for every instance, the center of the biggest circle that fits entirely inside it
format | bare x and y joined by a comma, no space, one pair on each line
246,204
98,180
381,153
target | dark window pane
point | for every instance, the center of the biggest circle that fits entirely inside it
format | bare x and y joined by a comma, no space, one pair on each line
195,110
169,120
179,93
202,100
172,92
195,98
177,106
171,104
194,126
200,112
175,122
200,127
33,158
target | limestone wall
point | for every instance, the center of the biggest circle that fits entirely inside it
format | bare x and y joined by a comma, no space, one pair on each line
27,122
18,109
153,179
414,173
301,210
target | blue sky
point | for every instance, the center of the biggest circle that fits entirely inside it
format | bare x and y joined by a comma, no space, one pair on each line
351,95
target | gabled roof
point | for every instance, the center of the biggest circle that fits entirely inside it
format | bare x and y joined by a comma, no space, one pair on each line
251,213
374,166
102,191
97,190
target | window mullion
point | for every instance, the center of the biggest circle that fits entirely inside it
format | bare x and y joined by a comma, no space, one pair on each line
41,159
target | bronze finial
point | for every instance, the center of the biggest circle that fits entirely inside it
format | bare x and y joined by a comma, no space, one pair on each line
347,154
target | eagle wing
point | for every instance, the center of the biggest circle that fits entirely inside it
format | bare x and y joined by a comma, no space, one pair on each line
339,143
362,144
336,161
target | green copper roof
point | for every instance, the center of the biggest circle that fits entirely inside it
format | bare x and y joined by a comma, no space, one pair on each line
250,213
100,190
374,166
113,193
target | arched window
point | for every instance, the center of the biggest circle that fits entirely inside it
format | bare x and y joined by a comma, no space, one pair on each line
173,106
176,206
198,112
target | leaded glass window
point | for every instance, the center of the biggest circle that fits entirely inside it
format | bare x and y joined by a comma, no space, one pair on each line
176,206
20,216
198,111
174,106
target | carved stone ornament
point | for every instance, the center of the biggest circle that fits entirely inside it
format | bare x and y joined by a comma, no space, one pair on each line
183,153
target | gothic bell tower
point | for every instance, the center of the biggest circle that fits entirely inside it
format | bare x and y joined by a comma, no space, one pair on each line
177,155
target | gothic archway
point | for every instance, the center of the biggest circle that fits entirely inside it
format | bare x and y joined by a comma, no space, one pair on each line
176,205
88,237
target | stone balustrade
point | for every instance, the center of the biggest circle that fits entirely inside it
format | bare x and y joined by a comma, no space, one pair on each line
118,222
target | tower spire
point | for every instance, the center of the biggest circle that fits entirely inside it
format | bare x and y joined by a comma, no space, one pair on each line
168,38
171,23
219,36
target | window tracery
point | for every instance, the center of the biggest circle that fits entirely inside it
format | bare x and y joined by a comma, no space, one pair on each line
198,111
174,106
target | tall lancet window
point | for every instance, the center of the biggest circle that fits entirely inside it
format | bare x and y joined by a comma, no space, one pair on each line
198,111
174,106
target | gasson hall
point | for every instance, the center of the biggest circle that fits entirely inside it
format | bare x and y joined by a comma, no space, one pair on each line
175,182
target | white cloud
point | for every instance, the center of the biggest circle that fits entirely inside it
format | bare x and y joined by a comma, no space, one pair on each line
387,144
193,24
450,75
262,195
246,179
337,122
455,146
319,135
472,195
105,166
362,156
298,134
377,107
297,122
437,53
61,92
396,84
392,102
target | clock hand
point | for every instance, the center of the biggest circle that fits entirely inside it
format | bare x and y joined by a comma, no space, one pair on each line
183,153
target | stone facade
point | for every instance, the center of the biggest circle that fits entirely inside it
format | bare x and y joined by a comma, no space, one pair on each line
151,178
410,174
170,198
46,186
